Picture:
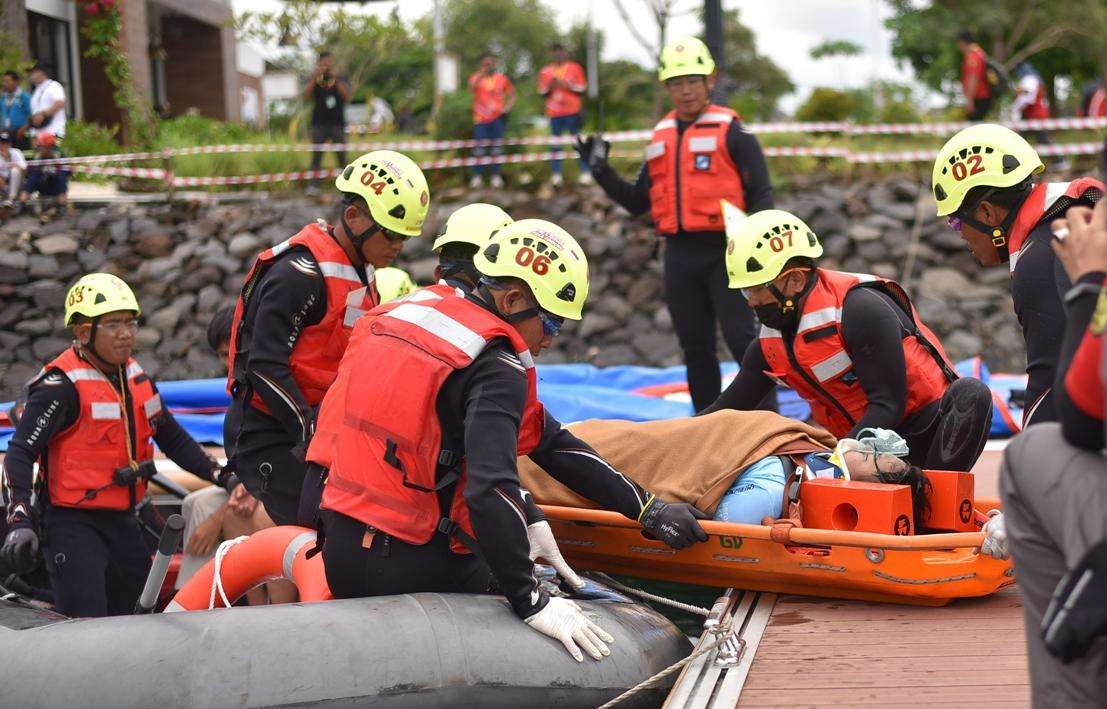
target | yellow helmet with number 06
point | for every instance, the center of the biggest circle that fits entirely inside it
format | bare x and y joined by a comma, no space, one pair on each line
546,258
393,187
473,224
758,247
981,155
688,56
99,294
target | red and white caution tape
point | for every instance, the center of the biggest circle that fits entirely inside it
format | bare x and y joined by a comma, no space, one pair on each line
149,173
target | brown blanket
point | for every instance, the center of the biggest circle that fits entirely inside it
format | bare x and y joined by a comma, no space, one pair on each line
692,460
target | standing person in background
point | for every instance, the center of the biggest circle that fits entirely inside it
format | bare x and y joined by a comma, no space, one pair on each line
1031,104
974,77
563,83
47,104
15,110
699,155
328,93
51,180
493,98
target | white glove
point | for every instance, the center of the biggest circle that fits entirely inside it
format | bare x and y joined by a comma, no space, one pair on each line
543,544
995,543
563,620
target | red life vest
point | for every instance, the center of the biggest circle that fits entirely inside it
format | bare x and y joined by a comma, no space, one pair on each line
382,440
691,172
820,368
314,359
1048,200
85,456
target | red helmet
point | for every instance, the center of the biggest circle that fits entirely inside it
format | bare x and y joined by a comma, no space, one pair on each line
46,140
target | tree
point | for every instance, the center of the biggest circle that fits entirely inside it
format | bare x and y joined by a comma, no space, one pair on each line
1061,37
836,48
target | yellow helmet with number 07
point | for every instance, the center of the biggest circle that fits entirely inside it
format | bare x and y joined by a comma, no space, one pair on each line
759,246
546,258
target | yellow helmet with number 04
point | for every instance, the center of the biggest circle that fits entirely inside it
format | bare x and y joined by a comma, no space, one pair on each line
393,283
981,155
394,188
686,56
546,258
759,246
99,294
473,224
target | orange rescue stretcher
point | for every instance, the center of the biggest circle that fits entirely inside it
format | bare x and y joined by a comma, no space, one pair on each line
869,552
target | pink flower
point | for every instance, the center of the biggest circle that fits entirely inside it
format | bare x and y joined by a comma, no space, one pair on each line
92,8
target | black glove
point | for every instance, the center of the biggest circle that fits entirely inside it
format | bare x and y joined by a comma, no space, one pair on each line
20,550
673,523
593,151
1077,613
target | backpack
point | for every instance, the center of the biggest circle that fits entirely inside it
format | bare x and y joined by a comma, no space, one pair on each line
998,79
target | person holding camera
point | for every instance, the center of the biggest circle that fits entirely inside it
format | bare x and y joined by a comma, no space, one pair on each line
90,422
328,93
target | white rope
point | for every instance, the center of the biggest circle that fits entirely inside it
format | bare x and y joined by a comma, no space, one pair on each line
686,607
216,577
647,683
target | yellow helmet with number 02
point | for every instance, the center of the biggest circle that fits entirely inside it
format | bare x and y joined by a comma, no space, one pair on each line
393,187
759,246
981,155
687,56
99,294
393,283
546,258
472,224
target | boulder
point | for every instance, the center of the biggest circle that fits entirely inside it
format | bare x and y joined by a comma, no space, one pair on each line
154,243
57,244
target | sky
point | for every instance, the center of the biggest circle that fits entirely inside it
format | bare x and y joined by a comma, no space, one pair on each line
785,30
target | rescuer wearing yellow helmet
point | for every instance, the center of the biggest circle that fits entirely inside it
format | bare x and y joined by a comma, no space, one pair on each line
851,344
294,316
467,229
90,421
393,283
424,475
984,184
699,153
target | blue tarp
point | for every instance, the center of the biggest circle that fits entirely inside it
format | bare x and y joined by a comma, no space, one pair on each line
572,392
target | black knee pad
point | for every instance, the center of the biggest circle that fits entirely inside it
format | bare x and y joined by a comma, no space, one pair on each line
966,419
1077,613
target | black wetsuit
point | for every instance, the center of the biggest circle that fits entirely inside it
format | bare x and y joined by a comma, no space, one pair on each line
1078,427
96,558
269,448
873,328
696,288
479,408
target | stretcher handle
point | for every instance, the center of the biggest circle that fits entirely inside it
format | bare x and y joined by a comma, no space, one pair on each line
796,535
167,546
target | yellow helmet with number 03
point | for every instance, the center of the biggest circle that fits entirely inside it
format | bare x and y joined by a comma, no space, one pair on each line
472,224
981,155
393,283
758,247
99,294
686,56
546,258
394,188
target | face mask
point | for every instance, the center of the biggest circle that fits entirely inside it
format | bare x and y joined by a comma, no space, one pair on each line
771,315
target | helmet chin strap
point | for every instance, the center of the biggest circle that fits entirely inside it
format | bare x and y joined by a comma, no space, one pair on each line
788,303
91,346
510,318
358,239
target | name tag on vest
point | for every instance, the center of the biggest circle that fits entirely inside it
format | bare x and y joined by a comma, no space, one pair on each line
106,410
655,150
703,144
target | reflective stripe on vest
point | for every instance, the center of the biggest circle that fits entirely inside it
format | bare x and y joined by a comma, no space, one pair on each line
85,456
383,446
837,401
1041,200
691,172
319,348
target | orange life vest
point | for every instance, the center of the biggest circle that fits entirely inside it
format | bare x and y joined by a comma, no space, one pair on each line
691,172
378,427
315,357
818,366
85,456
1045,201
